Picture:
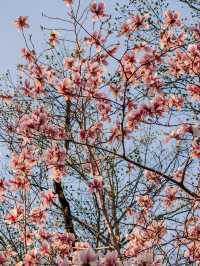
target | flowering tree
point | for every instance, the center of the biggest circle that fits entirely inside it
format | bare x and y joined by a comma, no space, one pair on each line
104,142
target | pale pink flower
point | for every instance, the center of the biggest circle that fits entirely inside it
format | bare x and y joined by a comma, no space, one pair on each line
146,258
97,184
28,236
31,258
14,215
172,19
48,198
145,202
195,151
30,56
176,101
170,196
152,177
53,38
82,245
3,259
66,88
111,259
98,11
38,215
194,91
21,23
70,63
68,2
139,22
85,257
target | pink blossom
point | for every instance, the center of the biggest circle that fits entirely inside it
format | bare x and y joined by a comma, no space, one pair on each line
152,177
97,184
170,196
145,202
53,38
85,257
111,259
48,198
37,215
194,91
98,11
3,259
28,55
31,258
68,2
195,151
172,19
21,23
66,88
14,215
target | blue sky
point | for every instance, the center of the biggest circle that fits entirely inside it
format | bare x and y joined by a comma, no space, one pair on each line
11,40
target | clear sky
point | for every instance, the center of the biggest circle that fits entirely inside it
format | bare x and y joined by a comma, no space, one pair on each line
11,40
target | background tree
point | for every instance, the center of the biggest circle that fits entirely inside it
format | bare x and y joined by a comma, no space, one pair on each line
103,132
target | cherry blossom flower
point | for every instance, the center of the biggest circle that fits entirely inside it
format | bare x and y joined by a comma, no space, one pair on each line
179,132
48,198
193,251
37,215
139,21
21,23
152,177
31,258
170,196
176,101
28,237
66,88
111,259
178,175
85,257
3,259
45,249
172,19
54,38
196,31
194,91
44,235
68,2
19,182
145,202
95,39
195,151
6,98
98,11
82,245
70,63
146,258
24,162
97,184
14,215
30,56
